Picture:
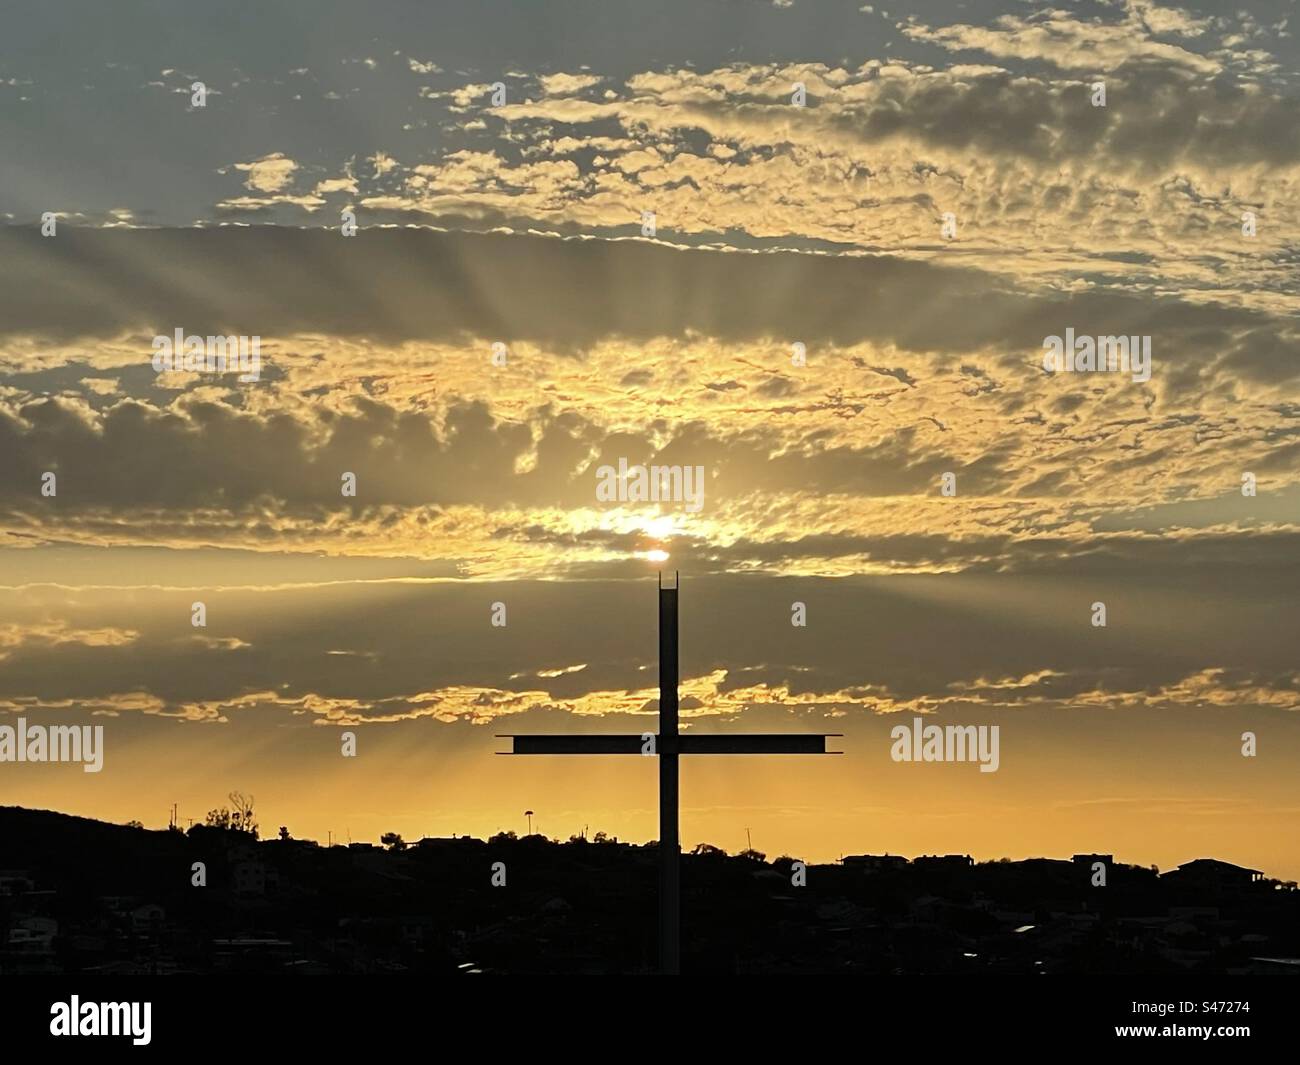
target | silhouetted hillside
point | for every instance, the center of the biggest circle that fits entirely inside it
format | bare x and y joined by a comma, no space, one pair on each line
81,895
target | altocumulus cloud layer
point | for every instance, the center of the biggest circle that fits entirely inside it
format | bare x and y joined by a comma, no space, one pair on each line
520,224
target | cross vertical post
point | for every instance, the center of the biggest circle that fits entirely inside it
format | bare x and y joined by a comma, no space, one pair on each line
669,843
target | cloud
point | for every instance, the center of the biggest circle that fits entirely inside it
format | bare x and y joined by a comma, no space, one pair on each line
1168,20
376,362
271,173
383,164
1147,192
567,84
992,641
1070,43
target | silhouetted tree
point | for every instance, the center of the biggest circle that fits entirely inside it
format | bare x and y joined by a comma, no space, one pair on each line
240,819
393,841
219,818
284,833
241,815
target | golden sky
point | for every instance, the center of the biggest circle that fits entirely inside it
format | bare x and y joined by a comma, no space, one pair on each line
798,323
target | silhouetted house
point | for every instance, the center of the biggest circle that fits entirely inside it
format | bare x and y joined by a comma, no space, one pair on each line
1212,873
147,918
294,844
1045,873
29,947
1090,859
873,863
943,863
16,882
87,943
436,841
120,905
36,932
251,954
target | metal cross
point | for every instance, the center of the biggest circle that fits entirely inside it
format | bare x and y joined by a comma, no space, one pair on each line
669,744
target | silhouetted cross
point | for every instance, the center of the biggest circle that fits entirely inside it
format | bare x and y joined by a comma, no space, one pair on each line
668,745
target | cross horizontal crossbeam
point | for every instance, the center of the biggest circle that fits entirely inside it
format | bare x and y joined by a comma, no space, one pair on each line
685,743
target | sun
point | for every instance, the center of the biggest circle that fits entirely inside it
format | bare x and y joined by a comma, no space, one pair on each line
660,527
657,555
